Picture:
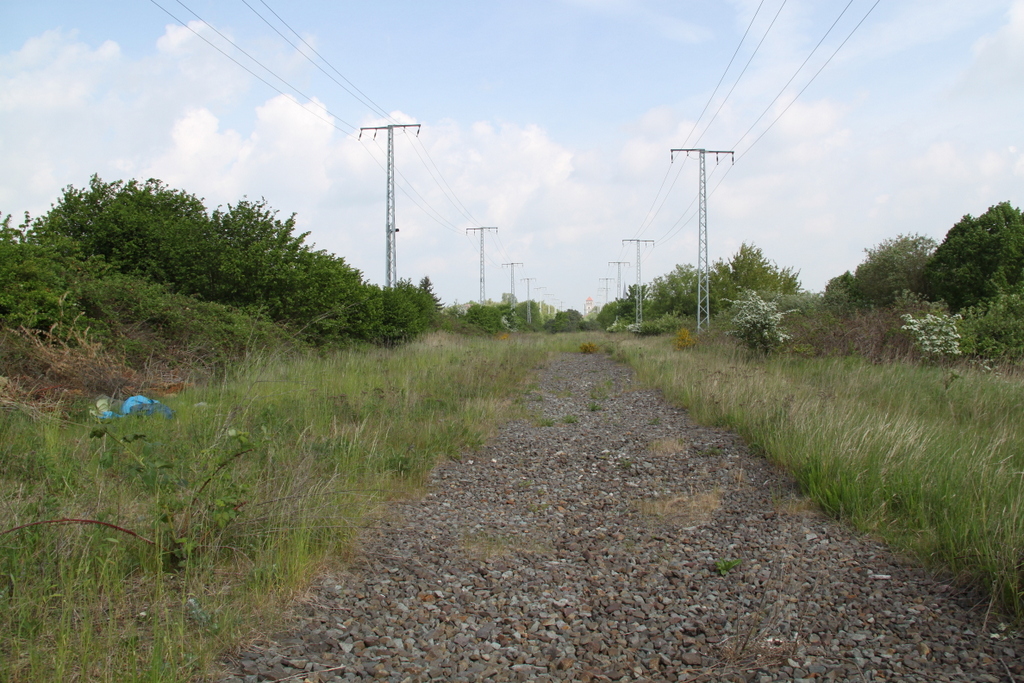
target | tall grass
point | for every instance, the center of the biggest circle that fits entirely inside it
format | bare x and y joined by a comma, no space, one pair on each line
256,483
930,458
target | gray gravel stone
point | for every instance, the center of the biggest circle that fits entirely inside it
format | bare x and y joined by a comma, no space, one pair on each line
628,544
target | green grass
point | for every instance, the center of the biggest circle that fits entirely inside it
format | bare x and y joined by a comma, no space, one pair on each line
929,460
256,484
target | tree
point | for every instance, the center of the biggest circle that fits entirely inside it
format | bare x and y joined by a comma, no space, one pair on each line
243,256
536,316
428,288
406,313
979,258
143,229
564,321
892,267
749,270
487,317
33,281
841,294
674,293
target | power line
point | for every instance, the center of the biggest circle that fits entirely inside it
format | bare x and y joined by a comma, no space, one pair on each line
820,69
670,234
360,97
441,176
254,74
429,210
649,219
239,48
366,100
797,72
727,67
454,202
738,78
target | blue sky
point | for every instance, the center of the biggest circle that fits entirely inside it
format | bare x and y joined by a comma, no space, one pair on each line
552,120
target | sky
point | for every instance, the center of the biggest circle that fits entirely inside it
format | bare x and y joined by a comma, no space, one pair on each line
851,122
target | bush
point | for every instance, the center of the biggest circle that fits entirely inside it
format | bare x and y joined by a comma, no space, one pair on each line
892,267
683,339
758,323
935,335
487,318
621,324
663,325
995,330
874,334
569,320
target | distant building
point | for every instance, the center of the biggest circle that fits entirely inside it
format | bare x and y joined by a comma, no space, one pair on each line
588,306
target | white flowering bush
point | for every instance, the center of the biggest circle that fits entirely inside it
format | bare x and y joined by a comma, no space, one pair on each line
758,323
935,335
621,325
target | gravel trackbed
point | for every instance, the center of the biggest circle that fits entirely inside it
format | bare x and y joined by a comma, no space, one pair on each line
610,538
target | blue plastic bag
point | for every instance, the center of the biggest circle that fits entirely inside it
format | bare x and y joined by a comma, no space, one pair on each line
138,405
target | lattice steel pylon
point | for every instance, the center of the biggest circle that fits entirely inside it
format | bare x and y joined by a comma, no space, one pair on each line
483,293
702,235
529,302
512,285
618,280
390,248
639,282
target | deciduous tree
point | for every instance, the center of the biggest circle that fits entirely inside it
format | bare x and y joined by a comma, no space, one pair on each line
979,258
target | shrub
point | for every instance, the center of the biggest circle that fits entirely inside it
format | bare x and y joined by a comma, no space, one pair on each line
995,329
663,325
621,325
569,320
684,339
588,347
935,335
874,334
486,317
758,323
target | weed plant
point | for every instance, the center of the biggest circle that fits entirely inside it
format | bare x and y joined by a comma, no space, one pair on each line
198,528
927,457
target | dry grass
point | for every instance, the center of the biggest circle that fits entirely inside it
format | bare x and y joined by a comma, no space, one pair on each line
739,475
797,506
485,545
683,509
664,447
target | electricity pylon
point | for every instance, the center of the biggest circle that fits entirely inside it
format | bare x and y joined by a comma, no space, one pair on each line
606,287
618,280
482,231
390,251
639,286
512,292
702,234
529,302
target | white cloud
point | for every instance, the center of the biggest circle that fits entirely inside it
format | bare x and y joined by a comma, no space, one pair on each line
998,67
53,71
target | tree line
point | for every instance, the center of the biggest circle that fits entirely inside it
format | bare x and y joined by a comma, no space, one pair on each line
102,247
976,273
